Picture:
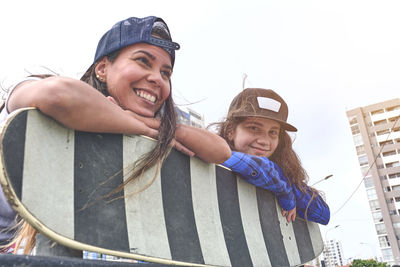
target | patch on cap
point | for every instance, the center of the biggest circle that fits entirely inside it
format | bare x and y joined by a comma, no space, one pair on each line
161,25
268,103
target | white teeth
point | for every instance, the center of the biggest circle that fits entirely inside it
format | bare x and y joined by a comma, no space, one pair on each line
148,97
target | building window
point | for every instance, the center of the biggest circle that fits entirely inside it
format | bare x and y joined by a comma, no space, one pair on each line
380,166
389,200
197,116
380,229
358,140
371,193
396,188
384,241
363,160
360,150
374,204
377,217
393,119
380,122
389,153
392,108
394,175
355,129
352,120
378,111
387,254
392,212
393,164
388,142
383,132
368,182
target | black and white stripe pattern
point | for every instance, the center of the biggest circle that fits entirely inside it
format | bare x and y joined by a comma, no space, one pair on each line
193,212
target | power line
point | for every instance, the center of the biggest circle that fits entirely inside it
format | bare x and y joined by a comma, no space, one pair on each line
366,173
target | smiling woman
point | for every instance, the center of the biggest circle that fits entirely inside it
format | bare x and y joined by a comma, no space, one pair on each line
126,90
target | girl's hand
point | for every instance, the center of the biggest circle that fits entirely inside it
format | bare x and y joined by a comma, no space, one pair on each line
290,215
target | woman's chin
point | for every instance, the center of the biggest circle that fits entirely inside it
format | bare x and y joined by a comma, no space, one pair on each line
143,112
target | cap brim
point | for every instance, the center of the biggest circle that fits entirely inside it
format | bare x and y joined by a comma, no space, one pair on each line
284,125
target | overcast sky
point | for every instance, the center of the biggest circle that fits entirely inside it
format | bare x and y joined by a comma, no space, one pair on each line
322,57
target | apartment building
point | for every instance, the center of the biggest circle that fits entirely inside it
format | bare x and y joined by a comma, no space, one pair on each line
376,135
333,253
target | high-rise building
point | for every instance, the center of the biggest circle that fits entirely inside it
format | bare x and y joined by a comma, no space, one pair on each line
376,135
190,117
333,253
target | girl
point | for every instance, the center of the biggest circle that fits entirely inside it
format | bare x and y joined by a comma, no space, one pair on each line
255,129
126,90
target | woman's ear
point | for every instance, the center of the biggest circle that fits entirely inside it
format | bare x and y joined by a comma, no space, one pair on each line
101,69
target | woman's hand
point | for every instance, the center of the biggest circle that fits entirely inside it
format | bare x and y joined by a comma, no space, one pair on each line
154,124
178,146
290,215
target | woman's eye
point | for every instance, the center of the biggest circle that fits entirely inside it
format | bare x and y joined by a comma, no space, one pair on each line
166,73
143,60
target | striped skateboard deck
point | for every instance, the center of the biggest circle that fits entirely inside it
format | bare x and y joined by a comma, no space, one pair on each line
194,213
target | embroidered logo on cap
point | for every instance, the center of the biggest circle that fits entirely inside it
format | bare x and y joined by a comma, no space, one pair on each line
268,103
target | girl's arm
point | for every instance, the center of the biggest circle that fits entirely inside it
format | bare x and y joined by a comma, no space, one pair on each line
267,173
263,173
317,211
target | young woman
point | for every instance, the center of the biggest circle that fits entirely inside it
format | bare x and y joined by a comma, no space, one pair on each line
126,90
256,130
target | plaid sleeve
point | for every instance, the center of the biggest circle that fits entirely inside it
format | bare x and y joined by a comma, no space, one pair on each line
318,211
262,172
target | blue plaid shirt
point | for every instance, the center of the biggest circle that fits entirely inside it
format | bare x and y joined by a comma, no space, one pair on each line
262,172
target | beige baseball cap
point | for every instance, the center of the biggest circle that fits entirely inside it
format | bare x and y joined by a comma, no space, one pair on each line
264,103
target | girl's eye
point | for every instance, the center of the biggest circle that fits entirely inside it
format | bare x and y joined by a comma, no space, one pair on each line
253,128
274,133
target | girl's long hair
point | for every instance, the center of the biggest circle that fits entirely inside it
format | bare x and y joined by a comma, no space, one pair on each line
166,134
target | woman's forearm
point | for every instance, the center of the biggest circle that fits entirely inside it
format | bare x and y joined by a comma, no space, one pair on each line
205,144
76,105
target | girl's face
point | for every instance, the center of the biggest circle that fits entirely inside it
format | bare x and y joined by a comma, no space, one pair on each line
256,136
139,78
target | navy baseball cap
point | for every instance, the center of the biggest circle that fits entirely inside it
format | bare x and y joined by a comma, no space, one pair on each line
135,30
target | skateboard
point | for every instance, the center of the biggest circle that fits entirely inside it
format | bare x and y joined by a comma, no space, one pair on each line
191,213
